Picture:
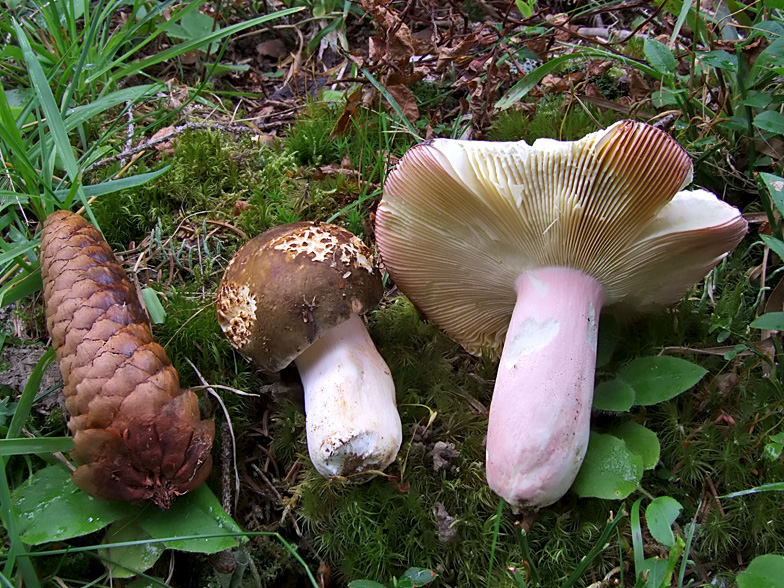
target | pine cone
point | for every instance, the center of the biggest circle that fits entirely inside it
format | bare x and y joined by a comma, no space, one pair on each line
137,434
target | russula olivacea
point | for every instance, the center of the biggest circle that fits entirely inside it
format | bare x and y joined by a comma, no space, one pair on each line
296,293
514,249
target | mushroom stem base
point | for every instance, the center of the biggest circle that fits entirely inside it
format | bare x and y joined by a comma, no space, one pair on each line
540,412
352,422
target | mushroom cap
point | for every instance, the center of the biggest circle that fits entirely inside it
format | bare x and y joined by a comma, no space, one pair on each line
286,287
461,220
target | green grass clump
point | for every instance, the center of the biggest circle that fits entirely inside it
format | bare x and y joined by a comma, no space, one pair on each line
553,119
310,139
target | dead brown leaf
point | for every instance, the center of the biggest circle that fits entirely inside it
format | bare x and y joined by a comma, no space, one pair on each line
447,55
274,48
395,41
352,103
638,87
405,99
165,147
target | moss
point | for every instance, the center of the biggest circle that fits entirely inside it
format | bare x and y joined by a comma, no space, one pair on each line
209,172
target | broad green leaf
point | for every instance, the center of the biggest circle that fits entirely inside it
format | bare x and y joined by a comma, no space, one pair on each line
609,470
659,56
659,378
196,513
609,335
735,123
614,395
719,59
758,100
154,306
775,186
775,245
195,25
660,515
127,560
764,571
770,321
365,584
773,448
415,577
655,570
640,440
771,121
667,97
775,4
50,507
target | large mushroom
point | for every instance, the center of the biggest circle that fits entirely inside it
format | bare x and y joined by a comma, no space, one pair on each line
297,293
515,249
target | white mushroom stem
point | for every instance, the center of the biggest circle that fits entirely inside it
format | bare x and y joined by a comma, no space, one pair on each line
351,417
540,412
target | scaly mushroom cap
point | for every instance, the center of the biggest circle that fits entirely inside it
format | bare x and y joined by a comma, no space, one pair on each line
286,287
461,220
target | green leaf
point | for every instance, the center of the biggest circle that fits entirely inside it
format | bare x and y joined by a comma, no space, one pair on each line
50,507
365,584
128,560
415,577
614,395
757,100
774,447
775,4
609,470
609,335
719,59
775,186
640,440
655,570
659,56
771,121
770,321
659,378
775,245
196,513
765,571
154,306
660,515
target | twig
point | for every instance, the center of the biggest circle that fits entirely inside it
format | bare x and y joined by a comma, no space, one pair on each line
287,511
209,389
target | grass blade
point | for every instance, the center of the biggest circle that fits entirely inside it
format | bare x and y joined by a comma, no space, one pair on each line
34,445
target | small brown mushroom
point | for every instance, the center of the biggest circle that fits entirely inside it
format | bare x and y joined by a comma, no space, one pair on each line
297,293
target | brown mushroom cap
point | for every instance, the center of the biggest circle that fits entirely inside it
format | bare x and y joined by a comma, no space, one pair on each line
286,287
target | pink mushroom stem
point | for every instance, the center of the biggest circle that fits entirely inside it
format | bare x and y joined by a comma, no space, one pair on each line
540,413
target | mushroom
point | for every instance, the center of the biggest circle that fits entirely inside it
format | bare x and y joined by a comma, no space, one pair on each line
514,249
297,293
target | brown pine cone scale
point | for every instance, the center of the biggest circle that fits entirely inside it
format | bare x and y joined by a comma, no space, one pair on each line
137,435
